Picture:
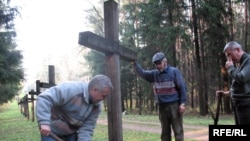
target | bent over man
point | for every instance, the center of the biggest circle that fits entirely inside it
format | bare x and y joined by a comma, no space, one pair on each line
70,110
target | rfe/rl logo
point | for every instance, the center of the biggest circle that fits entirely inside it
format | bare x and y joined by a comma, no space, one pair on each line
229,132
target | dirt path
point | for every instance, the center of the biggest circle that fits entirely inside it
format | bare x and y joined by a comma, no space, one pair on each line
196,133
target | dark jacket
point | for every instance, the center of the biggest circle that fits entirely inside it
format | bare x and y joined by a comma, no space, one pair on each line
240,87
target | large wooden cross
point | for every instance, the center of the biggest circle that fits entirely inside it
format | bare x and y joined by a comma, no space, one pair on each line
113,51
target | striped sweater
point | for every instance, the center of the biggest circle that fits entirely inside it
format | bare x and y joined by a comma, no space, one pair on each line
169,85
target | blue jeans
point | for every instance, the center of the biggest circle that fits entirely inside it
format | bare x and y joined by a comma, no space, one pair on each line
71,137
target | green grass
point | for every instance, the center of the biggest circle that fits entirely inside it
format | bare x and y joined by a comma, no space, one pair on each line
187,119
208,120
101,134
15,127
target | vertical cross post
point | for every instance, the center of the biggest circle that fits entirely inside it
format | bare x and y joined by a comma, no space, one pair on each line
113,52
52,74
32,99
51,78
111,20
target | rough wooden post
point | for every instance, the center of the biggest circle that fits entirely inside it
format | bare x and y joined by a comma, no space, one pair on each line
32,99
26,106
111,20
51,74
113,52
38,91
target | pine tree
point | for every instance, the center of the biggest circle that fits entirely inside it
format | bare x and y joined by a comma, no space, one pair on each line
11,71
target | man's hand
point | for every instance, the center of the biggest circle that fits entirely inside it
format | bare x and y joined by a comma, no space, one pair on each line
182,108
229,62
45,130
223,93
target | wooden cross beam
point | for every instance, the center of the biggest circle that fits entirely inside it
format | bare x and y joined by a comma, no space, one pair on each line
107,46
113,51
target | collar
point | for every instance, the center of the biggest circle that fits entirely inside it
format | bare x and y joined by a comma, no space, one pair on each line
243,57
164,70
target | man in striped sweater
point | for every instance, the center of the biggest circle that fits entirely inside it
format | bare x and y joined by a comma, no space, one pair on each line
170,93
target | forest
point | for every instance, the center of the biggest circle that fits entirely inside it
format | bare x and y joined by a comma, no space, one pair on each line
192,34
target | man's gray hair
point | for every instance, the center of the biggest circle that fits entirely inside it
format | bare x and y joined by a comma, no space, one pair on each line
232,45
165,60
100,82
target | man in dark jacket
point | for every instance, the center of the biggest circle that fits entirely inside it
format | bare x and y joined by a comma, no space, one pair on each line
238,67
170,93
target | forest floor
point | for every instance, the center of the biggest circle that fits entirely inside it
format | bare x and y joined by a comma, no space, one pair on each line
191,132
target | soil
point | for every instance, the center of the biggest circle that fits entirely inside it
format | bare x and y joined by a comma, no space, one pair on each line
192,132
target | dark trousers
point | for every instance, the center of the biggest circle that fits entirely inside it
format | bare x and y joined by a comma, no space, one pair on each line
71,137
242,111
171,119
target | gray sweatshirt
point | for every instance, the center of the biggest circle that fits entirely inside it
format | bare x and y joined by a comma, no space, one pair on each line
67,109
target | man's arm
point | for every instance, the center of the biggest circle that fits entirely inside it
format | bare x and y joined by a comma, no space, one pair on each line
224,93
86,131
181,86
147,75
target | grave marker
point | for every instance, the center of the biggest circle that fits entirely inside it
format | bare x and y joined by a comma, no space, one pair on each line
113,51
